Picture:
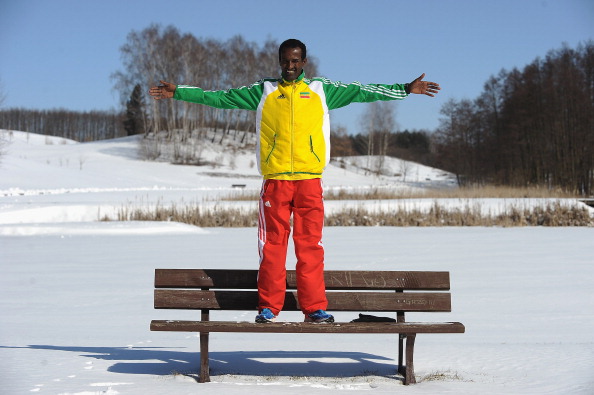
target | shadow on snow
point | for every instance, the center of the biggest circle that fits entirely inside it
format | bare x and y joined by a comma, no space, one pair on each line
161,361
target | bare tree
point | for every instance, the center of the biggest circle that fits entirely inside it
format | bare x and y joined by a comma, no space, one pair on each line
404,167
378,122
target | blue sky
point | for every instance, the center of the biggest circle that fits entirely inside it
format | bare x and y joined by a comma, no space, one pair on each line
61,53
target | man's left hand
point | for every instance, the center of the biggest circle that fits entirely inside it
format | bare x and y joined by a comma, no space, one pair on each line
421,87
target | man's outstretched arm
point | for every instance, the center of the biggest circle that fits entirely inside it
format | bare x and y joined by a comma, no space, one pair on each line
246,97
421,87
164,91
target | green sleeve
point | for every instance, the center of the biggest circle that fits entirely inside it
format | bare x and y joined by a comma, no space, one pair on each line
245,98
339,94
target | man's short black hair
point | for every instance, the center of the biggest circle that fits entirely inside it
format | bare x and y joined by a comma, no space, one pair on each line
292,43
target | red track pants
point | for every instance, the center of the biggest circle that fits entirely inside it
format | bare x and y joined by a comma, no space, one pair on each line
279,199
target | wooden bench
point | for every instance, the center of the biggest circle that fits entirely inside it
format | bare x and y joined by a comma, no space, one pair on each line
356,291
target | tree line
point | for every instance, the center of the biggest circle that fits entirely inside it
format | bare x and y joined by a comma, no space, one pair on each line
529,127
412,145
74,125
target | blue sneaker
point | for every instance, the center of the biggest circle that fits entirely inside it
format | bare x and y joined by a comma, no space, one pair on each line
319,316
265,316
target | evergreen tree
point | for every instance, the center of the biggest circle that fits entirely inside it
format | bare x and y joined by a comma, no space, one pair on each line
134,121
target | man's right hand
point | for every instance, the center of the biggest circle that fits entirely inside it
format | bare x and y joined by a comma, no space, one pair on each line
164,91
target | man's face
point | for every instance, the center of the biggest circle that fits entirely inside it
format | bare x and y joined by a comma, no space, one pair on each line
291,63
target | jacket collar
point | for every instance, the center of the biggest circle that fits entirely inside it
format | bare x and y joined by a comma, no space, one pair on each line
299,79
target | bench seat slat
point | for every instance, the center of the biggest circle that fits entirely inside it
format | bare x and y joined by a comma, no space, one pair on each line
307,327
337,301
335,279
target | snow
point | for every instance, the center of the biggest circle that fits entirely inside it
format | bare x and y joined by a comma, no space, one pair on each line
76,293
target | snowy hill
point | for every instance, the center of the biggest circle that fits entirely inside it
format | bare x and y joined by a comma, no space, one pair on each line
116,164
89,180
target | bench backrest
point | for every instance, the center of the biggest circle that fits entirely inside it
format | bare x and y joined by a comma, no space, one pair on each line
365,291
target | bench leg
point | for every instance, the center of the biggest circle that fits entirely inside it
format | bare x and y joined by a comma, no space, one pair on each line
401,338
204,369
409,373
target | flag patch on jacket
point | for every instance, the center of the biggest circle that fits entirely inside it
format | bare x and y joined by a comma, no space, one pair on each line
304,95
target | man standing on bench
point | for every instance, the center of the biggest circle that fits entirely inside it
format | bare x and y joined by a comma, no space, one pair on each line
293,148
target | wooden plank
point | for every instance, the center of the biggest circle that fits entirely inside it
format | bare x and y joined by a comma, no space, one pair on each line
335,279
337,300
389,301
190,299
308,327
386,280
206,278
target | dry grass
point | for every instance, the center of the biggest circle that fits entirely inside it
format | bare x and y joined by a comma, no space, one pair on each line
189,214
552,214
387,192
439,375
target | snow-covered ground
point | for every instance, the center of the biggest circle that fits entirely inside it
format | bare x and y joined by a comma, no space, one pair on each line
76,294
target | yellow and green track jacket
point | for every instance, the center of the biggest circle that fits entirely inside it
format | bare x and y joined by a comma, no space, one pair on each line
292,120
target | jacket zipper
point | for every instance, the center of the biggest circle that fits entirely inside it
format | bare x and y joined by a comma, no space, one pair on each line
271,149
312,148
293,127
